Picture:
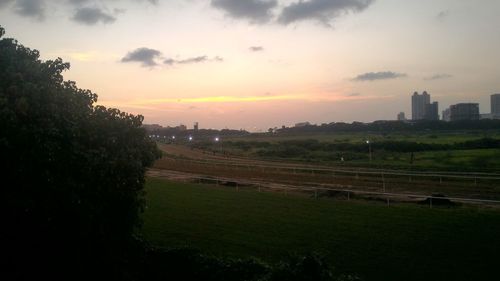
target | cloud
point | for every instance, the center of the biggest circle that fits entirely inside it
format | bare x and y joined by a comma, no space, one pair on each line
256,11
199,59
193,60
322,11
92,16
31,8
438,76
372,76
4,3
256,48
443,15
353,95
145,56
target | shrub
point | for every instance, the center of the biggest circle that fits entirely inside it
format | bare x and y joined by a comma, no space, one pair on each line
73,172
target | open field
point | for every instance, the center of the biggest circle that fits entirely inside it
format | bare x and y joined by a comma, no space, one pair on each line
358,137
401,242
426,150
206,164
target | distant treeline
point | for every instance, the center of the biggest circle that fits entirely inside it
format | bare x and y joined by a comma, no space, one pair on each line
293,148
377,126
395,126
203,133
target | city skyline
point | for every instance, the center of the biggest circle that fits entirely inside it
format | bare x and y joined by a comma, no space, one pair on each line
257,64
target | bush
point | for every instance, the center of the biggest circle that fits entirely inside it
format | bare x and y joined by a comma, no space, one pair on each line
73,172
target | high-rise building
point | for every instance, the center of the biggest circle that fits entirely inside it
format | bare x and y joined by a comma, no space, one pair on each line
431,111
195,127
418,103
446,115
464,111
495,105
401,116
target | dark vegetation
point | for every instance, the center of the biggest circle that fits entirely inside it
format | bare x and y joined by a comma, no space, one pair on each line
72,173
395,126
72,191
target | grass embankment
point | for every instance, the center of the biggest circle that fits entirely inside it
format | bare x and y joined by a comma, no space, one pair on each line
404,242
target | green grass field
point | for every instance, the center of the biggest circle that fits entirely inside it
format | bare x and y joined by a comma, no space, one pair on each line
269,146
402,242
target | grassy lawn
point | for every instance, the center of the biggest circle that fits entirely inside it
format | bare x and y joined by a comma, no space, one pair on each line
404,242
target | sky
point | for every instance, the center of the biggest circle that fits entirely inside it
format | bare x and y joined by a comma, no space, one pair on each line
256,64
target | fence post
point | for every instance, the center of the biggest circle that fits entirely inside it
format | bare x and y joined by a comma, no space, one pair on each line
348,196
383,181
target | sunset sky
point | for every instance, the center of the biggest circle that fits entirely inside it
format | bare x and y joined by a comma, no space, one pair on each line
255,64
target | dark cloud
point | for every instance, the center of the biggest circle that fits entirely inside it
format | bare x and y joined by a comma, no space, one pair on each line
193,60
169,61
256,48
256,11
31,8
81,2
199,59
78,2
442,15
145,56
438,76
91,16
4,3
372,76
321,10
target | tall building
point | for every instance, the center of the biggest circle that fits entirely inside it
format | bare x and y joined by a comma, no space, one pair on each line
446,115
464,111
418,103
195,127
495,105
431,111
401,116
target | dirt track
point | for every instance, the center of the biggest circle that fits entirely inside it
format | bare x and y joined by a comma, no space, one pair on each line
182,163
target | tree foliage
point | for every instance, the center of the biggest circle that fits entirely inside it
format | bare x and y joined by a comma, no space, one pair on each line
73,172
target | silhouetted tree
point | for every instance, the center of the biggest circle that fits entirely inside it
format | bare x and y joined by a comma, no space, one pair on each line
72,172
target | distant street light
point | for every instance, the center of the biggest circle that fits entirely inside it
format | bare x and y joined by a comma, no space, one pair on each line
190,138
369,149
216,139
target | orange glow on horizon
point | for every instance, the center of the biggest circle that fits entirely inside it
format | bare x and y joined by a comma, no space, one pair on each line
151,103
